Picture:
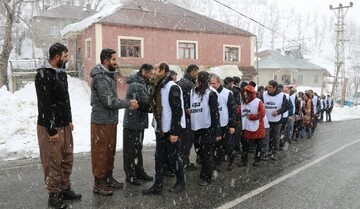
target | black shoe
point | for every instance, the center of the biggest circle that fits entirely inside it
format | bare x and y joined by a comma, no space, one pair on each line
69,194
168,173
145,177
203,182
56,202
154,190
243,164
190,167
133,181
273,157
178,187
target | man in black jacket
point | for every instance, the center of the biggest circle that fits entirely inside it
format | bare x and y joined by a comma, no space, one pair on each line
169,119
134,123
187,138
54,126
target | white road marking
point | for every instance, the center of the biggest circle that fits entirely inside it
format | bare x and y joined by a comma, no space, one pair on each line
281,179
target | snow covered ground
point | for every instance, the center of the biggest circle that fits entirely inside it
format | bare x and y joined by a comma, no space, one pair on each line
18,116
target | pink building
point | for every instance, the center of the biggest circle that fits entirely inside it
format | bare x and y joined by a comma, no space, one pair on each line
148,31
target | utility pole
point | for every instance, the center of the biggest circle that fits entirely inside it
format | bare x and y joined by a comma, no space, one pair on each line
340,13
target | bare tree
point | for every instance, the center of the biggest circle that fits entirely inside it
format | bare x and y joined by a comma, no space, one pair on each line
274,23
11,10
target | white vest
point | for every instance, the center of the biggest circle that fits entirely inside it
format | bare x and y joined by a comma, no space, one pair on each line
223,98
200,110
273,103
247,109
166,114
292,99
286,114
314,101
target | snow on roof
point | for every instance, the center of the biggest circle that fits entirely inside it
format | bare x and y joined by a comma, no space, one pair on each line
224,71
83,24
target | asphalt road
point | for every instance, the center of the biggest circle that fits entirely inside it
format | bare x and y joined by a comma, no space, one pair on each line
323,172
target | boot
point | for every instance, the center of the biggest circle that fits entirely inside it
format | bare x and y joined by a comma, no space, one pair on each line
101,187
154,190
69,194
111,182
178,187
231,164
55,201
143,176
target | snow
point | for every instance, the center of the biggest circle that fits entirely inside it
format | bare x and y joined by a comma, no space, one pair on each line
85,23
18,139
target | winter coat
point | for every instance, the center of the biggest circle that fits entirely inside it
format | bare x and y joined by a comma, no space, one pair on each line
104,99
186,83
260,132
308,113
137,89
52,98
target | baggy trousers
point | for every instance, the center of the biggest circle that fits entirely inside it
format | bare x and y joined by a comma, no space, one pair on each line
103,148
56,158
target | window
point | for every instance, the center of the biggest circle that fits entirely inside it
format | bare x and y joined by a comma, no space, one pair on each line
316,78
275,77
54,30
131,46
232,53
187,50
88,48
286,79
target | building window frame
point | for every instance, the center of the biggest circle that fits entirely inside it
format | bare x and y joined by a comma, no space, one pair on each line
227,57
186,51
131,48
54,30
88,48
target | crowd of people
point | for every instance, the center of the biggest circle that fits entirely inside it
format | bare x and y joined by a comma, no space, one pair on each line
221,118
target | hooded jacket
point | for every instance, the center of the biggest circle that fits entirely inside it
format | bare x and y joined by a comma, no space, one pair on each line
137,89
104,99
54,109
260,132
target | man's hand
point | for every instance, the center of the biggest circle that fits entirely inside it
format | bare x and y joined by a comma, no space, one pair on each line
188,111
274,113
231,130
173,138
218,138
54,138
134,104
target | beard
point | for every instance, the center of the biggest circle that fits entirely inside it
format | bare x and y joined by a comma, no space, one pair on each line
112,68
61,64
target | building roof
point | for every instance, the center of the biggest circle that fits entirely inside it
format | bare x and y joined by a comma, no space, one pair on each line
163,15
273,59
68,12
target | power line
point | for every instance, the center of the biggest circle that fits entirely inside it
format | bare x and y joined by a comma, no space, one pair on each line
272,30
